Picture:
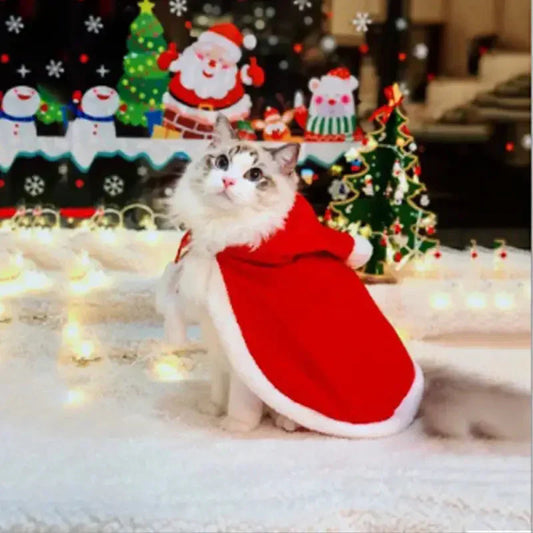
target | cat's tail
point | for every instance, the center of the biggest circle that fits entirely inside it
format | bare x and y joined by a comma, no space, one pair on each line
460,406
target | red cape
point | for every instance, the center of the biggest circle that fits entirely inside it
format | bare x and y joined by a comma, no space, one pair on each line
303,333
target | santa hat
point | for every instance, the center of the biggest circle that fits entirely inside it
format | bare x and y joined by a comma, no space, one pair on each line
271,114
229,37
343,74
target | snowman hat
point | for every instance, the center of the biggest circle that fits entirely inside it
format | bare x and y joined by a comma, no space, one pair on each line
228,36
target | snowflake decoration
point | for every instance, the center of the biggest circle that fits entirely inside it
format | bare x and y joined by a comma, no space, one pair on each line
424,200
63,169
102,71
421,51
338,190
142,171
113,185
23,71
34,185
14,24
55,69
94,24
361,22
302,4
178,7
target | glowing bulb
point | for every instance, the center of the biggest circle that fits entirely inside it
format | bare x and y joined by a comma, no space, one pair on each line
503,301
75,397
440,301
167,369
86,349
476,300
71,331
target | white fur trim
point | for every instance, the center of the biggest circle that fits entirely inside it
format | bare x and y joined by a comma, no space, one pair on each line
175,65
224,320
361,253
247,80
233,51
239,110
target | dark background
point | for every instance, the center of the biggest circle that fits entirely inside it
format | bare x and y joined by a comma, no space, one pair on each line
479,188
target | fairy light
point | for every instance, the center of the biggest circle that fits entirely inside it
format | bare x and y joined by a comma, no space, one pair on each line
75,397
476,300
504,301
71,331
167,369
440,301
85,349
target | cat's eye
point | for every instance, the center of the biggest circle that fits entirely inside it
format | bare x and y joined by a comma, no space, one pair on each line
222,162
255,174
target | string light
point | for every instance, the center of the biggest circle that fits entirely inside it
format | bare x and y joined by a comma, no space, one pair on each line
71,331
504,301
476,300
167,369
441,301
75,397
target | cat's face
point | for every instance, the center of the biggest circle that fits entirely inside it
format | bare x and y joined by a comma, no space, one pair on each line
234,174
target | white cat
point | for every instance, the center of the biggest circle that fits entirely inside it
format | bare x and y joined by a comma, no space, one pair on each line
259,270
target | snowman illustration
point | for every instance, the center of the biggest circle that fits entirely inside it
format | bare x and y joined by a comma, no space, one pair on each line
17,114
95,112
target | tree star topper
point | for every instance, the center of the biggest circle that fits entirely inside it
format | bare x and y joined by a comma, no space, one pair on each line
146,6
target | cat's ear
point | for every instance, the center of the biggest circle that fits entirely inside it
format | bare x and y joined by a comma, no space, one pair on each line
286,157
222,132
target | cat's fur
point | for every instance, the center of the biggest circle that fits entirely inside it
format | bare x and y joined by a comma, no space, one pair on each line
249,211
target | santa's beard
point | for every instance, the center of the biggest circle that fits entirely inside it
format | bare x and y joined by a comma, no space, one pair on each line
191,76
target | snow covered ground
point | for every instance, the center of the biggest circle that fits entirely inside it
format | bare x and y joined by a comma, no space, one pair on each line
117,445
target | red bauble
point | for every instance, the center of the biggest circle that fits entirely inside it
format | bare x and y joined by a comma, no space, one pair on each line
437,255
474,254
503,254
84,58
79,183
123,107
2,183
44,108
398,257
430,230
383,241
4,58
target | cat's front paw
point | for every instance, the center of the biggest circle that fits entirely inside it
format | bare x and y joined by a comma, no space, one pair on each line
281,421
209,407
234,425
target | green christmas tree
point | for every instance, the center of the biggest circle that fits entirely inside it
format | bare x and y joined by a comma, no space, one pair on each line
50,110
377,192
143,84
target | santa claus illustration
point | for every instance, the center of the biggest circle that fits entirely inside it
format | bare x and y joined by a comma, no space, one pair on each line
17,114
208,81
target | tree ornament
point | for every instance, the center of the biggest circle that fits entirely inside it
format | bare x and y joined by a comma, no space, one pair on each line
398,257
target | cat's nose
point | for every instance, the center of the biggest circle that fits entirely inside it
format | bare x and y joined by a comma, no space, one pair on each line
228,182
212,63
332,101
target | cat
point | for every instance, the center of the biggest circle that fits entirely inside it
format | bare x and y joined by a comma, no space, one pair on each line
240,194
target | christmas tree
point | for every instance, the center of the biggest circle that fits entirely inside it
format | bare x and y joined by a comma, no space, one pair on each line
142,85
377,192
50,110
